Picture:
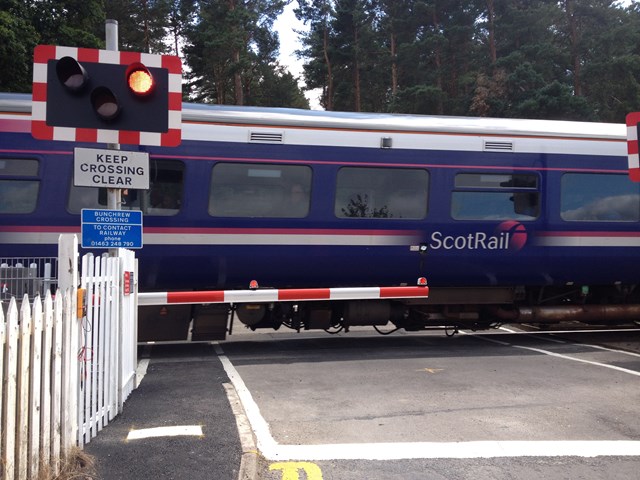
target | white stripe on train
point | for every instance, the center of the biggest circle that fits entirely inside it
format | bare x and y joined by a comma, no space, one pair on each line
178,238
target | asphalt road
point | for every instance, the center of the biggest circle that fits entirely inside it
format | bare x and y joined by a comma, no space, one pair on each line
312,406
423,406
177,424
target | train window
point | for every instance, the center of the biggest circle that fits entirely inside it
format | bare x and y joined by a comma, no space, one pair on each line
164,197
19,185
260,190
398,193
591,197
489,196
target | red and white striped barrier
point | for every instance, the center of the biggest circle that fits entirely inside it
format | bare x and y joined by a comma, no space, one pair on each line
633,119
284,295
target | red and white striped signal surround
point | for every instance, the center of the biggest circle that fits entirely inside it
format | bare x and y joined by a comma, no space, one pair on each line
41,130
632,145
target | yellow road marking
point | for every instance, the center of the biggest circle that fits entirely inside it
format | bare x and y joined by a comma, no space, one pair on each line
290,470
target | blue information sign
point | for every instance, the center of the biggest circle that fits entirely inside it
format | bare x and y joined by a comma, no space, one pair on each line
111,228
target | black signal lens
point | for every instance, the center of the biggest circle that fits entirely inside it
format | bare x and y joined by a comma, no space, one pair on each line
105,103
71,74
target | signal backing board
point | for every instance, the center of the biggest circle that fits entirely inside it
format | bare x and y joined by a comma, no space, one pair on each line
45,124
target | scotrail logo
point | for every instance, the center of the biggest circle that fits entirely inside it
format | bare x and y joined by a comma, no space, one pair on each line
509,235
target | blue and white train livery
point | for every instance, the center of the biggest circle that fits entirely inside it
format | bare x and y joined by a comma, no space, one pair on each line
509,219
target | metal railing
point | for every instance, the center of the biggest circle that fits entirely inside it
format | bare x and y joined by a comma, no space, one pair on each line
27,275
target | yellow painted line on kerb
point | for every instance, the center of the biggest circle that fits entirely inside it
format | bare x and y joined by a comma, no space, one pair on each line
180,430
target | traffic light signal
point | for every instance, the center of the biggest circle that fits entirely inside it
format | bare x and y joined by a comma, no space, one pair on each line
140,80
106,96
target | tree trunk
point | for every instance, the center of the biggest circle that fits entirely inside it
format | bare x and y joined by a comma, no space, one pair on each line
325,50
394,64
575,55
237,79
491,14
438,62
356,72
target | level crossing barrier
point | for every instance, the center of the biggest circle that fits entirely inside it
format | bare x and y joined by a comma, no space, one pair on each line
268,295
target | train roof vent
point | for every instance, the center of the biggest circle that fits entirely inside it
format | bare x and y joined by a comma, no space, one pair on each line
498,146
266,137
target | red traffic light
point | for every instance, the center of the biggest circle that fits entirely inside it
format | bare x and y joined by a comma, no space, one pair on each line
139,79
71,74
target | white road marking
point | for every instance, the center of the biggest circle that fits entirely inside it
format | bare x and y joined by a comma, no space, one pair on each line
599,347
179,430
264,440
530,334
559,355
271,450
431,450
581,360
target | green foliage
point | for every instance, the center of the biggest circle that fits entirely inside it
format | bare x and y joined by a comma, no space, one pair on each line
573,59
25,24
18,38
276,87
554,102
231,51
77,23
568,59
143,25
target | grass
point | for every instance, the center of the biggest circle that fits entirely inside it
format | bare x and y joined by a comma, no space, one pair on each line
77,465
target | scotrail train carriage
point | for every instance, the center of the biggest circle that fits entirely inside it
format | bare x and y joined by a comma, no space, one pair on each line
510,220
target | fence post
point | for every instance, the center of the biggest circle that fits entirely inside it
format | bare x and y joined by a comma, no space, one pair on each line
47,381
35,388
22,422
56,369
68,262
128,326
3,327
68,283
8,426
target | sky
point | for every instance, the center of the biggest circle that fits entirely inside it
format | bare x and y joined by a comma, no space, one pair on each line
286,25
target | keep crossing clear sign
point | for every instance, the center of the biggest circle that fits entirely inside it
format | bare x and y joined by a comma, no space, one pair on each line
93,167
111,228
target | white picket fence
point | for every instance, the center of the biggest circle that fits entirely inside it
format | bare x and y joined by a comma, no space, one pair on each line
37,349
65,373
107,354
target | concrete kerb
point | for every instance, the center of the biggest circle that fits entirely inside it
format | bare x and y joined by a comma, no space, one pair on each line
250,455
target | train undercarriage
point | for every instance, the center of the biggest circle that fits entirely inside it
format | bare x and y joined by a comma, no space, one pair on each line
446,308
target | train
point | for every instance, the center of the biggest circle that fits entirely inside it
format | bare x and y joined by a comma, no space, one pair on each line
509,220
